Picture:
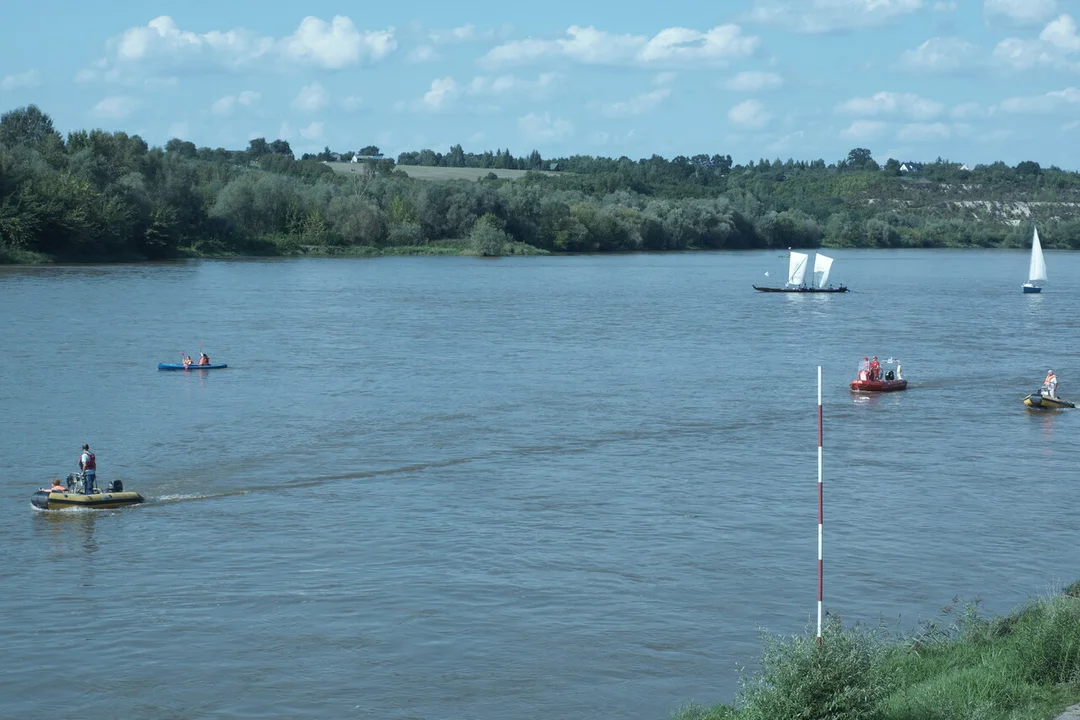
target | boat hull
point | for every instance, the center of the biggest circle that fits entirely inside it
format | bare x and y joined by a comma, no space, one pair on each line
840,289
46,500
180,366
1032,289
1042,402
878,385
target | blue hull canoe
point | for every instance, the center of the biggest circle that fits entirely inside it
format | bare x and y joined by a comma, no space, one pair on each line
180,366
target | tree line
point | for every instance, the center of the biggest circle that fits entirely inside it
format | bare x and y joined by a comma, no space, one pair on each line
96,195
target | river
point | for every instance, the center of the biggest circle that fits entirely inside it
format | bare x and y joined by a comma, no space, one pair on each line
517,487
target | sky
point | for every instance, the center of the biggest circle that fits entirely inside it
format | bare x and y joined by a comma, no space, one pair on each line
972,81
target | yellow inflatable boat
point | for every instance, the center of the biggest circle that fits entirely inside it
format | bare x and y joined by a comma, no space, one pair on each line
1043,402
113,496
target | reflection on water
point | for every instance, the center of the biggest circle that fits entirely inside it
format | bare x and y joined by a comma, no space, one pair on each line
69,531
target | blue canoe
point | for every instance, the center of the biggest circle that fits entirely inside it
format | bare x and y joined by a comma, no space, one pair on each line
180,366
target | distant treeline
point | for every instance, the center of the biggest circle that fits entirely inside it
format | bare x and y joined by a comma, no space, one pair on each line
95,195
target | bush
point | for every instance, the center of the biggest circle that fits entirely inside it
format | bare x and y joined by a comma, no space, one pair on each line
488,238
801,679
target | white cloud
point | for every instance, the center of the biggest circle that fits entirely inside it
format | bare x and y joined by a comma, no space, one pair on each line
442,93
463,33
1057,41
227,104
674,45
116,106
749,113
486,85
1020,12
161,44
785,142
890,103
1061,34
284,132
179,130
420,54
638,105
665,78
352,102
336,44
311,98
28,79
940,55
314,131
602,137
753,81
1070,126
825,16
863,130
544,128
924,132
969,110
1043,104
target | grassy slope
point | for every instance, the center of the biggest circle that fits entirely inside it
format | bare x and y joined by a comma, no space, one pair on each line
419,172
1025,666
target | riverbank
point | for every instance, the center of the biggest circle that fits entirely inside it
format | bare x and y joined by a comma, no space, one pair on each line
1023,666
275,248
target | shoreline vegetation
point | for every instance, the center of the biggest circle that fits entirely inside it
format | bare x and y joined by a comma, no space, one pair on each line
96,196
1021,666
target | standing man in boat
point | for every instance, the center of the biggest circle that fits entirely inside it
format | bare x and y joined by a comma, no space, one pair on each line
875,369
1050,384
88,467
864,369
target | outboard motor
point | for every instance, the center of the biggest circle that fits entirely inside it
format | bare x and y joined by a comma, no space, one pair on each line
74,482
115,487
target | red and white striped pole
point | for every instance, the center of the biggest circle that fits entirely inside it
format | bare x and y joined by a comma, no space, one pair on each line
820,508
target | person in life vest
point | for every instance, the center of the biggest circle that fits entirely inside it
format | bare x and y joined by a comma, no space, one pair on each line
864,369
875,369
204,359
187,361
88,466
57,486
1050,384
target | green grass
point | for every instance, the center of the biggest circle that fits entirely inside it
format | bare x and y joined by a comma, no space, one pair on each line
421,172
1023,666
13,256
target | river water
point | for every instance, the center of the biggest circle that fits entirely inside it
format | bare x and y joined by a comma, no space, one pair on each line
523,487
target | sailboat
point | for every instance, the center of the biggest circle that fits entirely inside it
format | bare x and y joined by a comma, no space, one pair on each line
1037,269
797,275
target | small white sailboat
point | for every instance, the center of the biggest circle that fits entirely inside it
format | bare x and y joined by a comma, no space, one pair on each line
1037,269
797,275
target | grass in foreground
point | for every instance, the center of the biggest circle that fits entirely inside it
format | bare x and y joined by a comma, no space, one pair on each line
1025,666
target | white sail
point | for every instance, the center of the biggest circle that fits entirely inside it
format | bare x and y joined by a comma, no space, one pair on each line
1037,271
796,268
822,265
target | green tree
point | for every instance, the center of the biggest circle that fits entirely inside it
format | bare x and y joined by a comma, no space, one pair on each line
860,159
487,238
25,126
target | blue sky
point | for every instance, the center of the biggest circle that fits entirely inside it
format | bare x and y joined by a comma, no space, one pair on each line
969,80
